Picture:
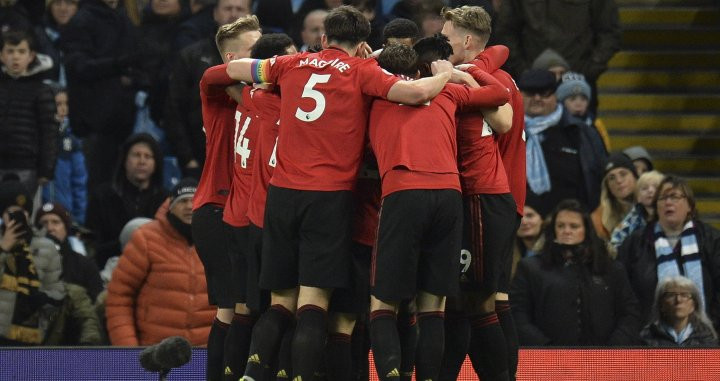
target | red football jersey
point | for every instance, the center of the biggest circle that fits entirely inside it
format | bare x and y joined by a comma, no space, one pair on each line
325,101
481,167
266,105
218,112
422,139
245,141
512,143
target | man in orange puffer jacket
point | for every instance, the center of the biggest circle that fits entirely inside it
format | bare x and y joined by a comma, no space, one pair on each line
158,288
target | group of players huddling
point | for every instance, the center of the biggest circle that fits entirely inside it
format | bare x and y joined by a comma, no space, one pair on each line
387,187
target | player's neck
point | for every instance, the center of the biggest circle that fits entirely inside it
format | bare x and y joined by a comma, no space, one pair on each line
347,50
470,54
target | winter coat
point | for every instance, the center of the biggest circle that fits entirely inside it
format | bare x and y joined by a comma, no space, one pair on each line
655,336
566,305
200,26
113,204
69,187
572,134
64,313
27,121
183,114
158,289
637,254
81,270
99,46
585,32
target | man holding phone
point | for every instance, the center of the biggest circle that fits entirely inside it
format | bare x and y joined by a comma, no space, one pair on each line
16,206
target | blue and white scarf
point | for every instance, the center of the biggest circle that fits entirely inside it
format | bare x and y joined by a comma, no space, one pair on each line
632,221
688,265
538,177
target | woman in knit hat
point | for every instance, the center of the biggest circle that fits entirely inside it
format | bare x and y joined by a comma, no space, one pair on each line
616,195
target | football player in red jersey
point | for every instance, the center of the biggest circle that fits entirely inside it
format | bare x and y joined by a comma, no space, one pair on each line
421,214
209,231
491,218
323,120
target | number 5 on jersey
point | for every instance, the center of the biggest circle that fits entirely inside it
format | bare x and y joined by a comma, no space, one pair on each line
318,97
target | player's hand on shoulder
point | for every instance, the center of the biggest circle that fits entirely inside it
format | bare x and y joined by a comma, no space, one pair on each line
364,50
441,66
464,67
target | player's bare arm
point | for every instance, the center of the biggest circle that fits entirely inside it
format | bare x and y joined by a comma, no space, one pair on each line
500,118
424,89
242,70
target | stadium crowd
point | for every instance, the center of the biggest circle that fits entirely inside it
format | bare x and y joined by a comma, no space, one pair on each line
292,183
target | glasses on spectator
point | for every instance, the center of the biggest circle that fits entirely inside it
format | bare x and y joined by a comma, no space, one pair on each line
681,296
674,197
541,93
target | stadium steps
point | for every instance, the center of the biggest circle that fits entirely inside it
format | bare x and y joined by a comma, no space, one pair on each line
662,91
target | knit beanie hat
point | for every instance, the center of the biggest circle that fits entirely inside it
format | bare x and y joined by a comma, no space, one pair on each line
573,84
13,192
619,160
185,188
57,209
549,58
129,228
639,153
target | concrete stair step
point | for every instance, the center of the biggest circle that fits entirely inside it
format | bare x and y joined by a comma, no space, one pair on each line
708,206
704,185
659,102
634,59
694,167
638,80
675,38
669,143
664,123
686,16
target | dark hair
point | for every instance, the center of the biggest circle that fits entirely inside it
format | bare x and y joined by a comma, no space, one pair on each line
401,28
398,59
362,5
431,49
16,37
346,25
156,179
592,252
270,45
680,184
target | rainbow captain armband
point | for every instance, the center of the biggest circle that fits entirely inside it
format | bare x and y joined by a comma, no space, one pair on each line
260,71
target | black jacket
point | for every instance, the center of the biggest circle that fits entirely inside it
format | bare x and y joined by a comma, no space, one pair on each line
199,26
655,336
80,270
28,127
637,253
113,204
568,306
575,157
183,113
100,49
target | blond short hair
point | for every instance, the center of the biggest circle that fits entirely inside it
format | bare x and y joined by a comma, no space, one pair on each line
471,18
648,177
230,31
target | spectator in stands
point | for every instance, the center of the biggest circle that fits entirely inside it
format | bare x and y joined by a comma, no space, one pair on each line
158,29
277,16
100,53
377,21
77,268
38,308
57,16
158,288
16,15
549,59
528,238
575,94
641,159
313,28
565,156
207,16
136,191
617,195
674,242
69,187
679,319
642,212
28,128
572,292
183,117
585,33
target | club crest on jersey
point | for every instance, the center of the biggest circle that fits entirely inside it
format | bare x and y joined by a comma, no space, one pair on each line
320,64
